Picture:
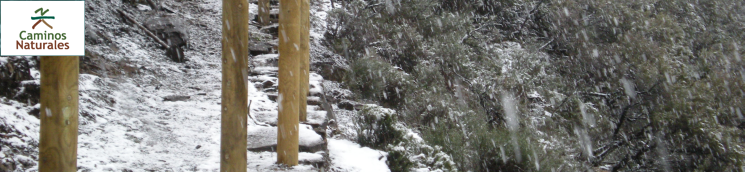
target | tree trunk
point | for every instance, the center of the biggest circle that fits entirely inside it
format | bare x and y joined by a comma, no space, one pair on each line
58,142
305,61
264,9
289,81
233,138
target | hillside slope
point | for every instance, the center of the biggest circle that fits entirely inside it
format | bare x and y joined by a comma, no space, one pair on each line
140,111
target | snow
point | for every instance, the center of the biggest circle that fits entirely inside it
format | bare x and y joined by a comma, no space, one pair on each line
23,135
628,87
143,7
87,82
378,111
349,156
124,124
262,136
265,161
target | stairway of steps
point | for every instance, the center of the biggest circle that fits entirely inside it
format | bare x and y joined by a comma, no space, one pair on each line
262,135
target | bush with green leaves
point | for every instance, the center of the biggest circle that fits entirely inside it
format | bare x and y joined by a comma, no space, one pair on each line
626,85
651,70
379,128
377,80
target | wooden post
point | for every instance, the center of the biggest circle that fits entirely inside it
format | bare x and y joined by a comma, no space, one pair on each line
305,61
58,144
264,10
289,81
233,138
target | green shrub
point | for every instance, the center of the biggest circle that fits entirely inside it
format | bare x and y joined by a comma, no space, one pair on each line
398,162
667,69
377,80
377,127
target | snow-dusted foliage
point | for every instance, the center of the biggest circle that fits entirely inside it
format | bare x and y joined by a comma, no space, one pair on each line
603,85
450,85
378,127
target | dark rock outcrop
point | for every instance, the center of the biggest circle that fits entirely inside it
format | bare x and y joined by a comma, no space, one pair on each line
16,81
171,30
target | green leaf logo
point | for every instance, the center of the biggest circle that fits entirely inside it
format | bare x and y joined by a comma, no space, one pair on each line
41,9
41,18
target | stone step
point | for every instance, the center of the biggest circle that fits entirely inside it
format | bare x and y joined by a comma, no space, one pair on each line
260,48
316,159
269,85
349,105
260,160
272,29
264,70
264,138
312,100
259,79
314,118
272,3
273,15
272,96
266,84
315,108
265,60
310,108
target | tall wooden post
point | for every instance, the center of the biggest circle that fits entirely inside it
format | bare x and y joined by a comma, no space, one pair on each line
305,65
264,9
58,144
233,138
289,81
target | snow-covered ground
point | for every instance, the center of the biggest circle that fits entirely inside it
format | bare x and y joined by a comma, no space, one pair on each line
127,125
349,156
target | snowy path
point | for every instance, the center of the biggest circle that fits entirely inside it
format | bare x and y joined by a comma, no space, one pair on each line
127,125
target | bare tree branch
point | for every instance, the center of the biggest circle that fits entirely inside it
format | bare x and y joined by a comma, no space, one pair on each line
144,29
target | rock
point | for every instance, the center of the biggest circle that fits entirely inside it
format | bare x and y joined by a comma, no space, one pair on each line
271,71
260,48
168,9
270,29
171,31
93,63
167,25
143,7
273,16
314,159
16,81
272,97
315,119
332,71
176,53
264,138
91,35
259,36
274,43
265,60
314,101
358,106
267,84
346,105
270,90
175,98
